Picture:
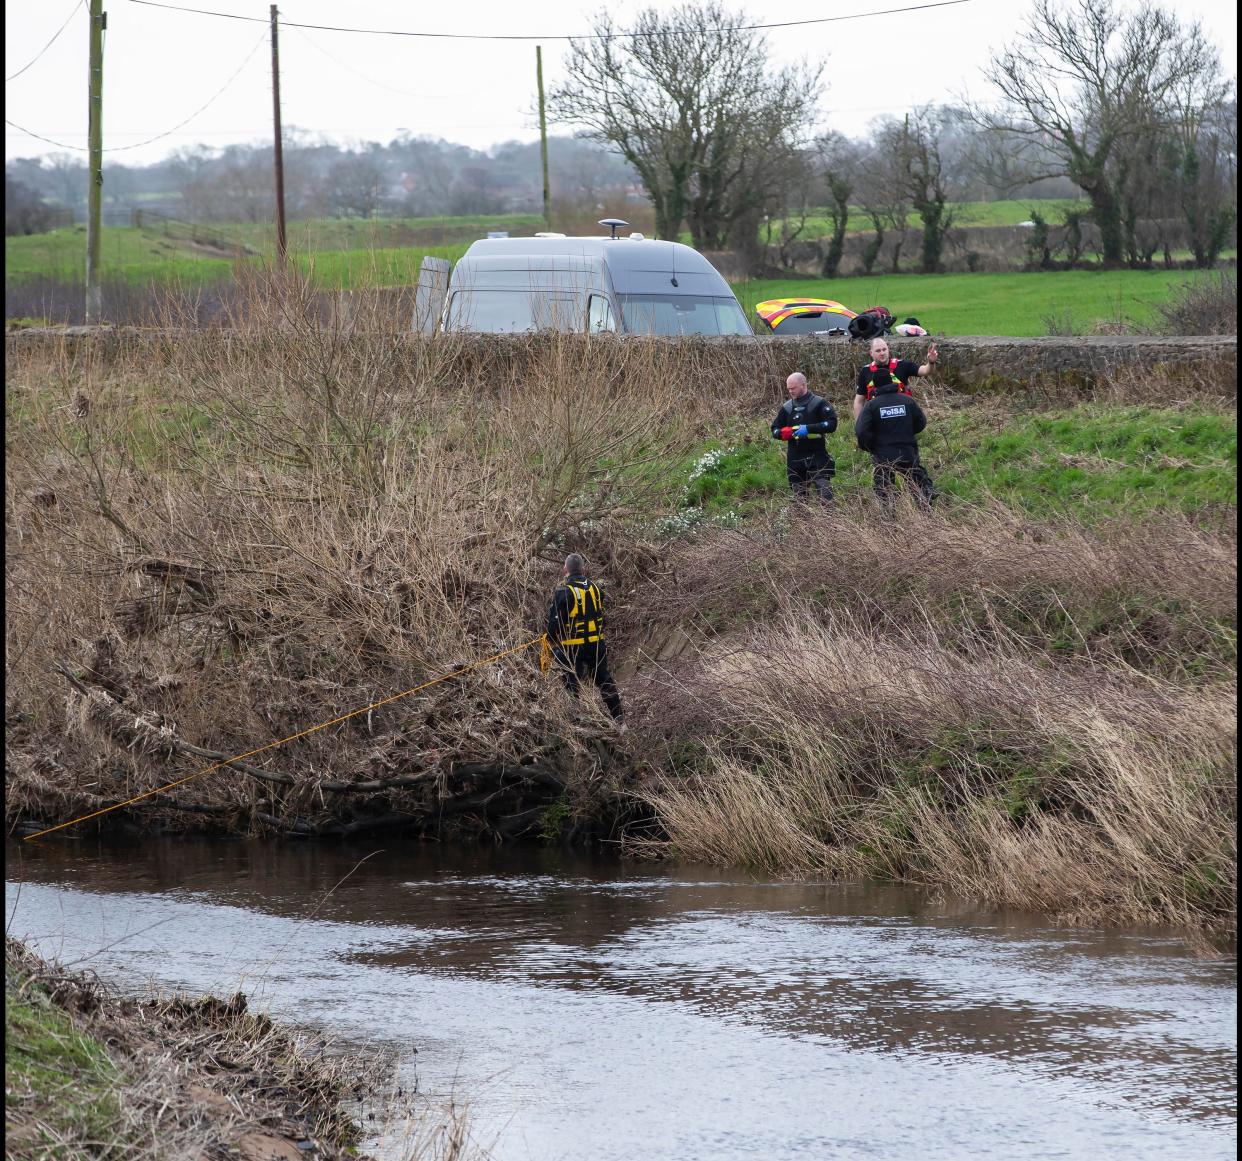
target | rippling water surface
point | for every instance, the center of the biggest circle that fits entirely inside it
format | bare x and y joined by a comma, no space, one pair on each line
591,1009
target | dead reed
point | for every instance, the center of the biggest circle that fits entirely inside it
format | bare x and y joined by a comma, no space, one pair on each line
1039,716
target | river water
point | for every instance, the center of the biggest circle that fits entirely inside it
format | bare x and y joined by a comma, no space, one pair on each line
588,1009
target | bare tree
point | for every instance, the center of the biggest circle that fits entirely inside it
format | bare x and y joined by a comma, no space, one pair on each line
68,179
690,101
841,160
882,196
916,150
1080,85
355,186
1205,141
24,211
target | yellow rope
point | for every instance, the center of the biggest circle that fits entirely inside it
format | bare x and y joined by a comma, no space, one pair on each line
290,738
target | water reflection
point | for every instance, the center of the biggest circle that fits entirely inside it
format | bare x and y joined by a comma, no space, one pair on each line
1130,1019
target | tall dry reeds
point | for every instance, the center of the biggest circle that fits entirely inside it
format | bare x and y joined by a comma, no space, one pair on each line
1036,715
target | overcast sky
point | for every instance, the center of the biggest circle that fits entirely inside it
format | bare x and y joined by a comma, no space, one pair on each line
162,66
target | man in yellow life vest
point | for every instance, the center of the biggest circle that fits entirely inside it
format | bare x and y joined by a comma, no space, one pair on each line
576,634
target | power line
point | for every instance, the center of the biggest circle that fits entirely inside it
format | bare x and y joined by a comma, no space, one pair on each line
167,132
525,37
202,108
359,73
31,133
72,13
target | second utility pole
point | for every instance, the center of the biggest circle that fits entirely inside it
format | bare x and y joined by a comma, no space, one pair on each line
94,193
543,138
277,153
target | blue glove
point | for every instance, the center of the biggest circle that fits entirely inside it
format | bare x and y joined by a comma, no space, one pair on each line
800,431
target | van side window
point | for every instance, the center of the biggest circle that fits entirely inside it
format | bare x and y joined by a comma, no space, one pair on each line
599,316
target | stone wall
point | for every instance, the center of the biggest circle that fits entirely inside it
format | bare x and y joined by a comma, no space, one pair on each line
974,364
738,366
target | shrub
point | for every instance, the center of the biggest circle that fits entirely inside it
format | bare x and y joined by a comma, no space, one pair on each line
1207,306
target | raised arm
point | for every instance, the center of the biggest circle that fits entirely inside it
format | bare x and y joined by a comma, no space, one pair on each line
932,356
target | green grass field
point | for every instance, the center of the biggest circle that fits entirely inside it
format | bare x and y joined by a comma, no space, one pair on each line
1005,213
353,254
1017,303
151,254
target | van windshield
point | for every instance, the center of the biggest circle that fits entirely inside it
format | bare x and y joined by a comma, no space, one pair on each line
682,314
503,311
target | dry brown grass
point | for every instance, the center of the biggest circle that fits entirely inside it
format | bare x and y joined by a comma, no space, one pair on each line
1038,716
232,535
1160,595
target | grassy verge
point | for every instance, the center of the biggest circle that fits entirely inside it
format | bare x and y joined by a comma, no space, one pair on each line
1027,696
60,1086
1094,461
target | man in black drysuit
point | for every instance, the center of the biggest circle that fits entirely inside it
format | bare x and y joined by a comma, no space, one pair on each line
576,634
804,422
888,427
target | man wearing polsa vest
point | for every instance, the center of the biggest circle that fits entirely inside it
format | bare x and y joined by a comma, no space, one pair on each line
884,367
888,426
804,422
576,634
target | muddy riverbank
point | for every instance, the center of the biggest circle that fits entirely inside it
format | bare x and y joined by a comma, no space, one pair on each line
92,1071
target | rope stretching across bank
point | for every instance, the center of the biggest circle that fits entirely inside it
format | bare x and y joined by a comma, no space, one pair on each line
540,640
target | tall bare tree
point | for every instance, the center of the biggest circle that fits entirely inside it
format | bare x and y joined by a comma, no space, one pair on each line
882,196
690,100
1205,144
915,145
840,158
1082,83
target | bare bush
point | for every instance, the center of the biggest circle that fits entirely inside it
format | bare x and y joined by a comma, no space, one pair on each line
297,518
1206,307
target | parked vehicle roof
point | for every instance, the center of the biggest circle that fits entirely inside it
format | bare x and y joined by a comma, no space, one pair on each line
803,315
635,265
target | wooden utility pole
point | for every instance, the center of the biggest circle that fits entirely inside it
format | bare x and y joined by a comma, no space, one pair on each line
543,138
277,152
94,194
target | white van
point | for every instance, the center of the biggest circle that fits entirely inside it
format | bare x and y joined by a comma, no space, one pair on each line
631,285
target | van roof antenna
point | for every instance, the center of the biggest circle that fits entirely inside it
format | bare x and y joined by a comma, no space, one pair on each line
614,224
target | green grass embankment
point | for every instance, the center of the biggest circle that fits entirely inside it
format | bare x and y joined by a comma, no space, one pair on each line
1092,462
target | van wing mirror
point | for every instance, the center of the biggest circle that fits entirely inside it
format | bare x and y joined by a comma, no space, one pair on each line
429,294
